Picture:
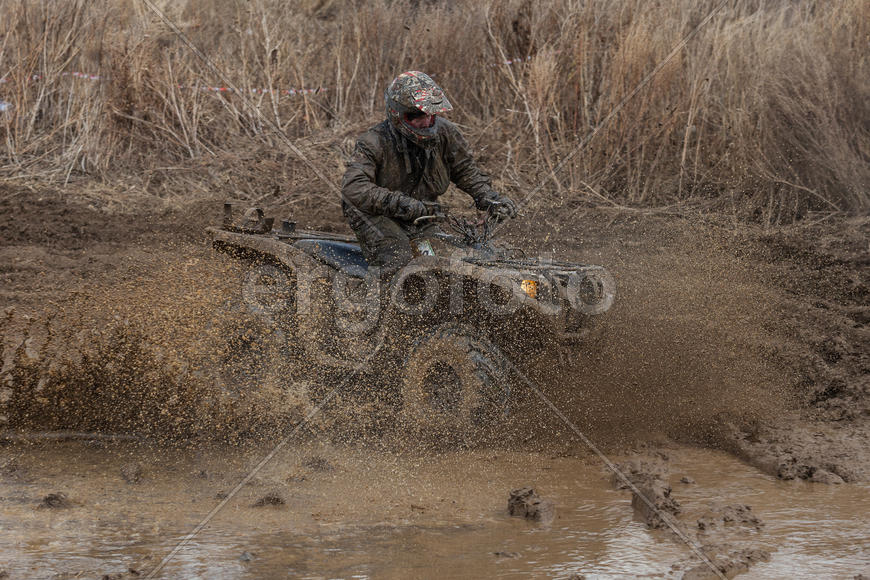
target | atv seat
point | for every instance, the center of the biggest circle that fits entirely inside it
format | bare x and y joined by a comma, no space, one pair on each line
342,256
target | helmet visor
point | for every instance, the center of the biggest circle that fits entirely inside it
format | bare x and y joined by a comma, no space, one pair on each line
431,100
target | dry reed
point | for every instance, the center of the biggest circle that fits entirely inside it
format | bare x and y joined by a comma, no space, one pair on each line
766,113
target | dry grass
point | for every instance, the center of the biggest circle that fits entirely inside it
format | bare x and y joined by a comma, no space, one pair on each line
765,114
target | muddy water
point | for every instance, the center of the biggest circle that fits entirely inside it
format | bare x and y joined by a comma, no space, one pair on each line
352,513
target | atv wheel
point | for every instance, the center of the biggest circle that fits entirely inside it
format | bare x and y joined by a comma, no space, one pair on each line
268,291
454,383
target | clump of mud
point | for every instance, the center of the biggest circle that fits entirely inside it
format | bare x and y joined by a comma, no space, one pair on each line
273,498
719,515
526,503
55,501
729,562
726,534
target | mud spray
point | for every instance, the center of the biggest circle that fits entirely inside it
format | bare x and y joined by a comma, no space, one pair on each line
169,352
166,353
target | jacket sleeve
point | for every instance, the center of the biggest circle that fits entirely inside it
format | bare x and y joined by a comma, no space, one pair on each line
464,172
358,188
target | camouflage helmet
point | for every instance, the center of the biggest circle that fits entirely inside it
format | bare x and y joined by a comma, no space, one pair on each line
412,93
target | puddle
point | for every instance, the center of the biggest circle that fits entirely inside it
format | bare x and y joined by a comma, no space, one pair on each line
353,513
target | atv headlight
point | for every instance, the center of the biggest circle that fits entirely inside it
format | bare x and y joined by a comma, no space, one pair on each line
530,287
591,291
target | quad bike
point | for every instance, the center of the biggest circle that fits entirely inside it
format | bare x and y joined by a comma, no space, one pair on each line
442,337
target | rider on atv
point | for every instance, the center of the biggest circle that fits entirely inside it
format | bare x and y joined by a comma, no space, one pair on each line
401,166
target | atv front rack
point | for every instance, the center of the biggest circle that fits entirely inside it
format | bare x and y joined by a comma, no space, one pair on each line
255,222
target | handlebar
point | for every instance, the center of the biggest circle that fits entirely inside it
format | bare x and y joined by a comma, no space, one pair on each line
444,214
428,217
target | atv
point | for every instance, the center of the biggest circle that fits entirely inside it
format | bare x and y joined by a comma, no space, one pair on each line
443,336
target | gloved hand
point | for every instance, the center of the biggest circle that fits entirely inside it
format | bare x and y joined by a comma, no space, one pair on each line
410,209
501,206
433,208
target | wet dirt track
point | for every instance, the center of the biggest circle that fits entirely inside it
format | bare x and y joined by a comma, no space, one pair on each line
754,345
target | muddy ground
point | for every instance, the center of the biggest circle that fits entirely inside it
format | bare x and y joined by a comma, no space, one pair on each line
729,336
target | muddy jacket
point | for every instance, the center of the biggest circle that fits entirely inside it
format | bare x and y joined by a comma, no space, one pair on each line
385,165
